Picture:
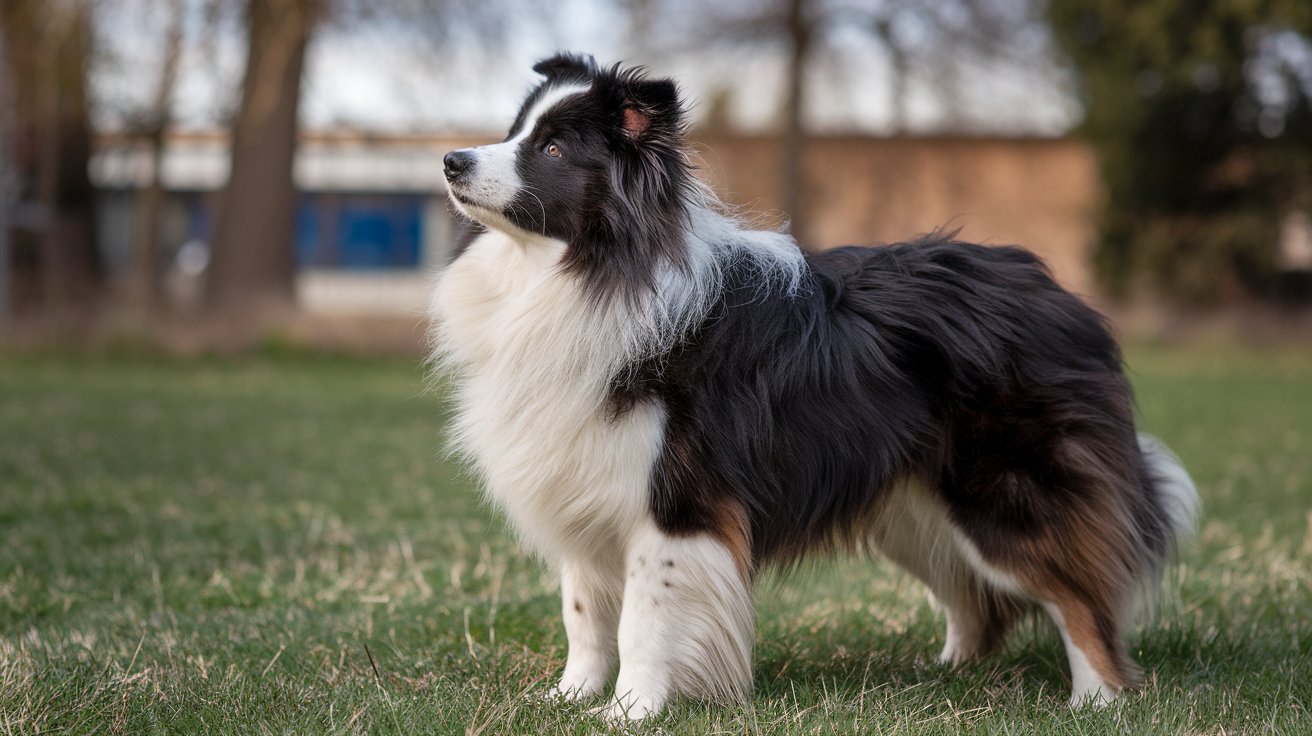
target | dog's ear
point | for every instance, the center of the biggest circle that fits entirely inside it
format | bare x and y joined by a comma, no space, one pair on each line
651,108
567,66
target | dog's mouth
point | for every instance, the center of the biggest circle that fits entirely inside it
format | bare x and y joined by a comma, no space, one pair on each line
462,197
477,211
478,200
466,203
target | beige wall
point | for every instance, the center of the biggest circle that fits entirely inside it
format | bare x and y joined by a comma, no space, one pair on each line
1037,193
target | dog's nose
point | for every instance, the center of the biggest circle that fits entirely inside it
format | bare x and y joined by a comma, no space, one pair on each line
456,163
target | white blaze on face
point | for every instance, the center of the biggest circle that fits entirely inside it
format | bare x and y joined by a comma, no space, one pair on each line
493,181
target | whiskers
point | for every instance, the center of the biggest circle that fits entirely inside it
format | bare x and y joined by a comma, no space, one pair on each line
529,190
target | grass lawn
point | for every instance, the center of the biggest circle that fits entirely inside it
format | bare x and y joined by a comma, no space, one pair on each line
273,544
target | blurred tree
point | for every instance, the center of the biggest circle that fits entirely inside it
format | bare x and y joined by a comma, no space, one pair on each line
1200,112
252,264
935,43
7,178
800,30
153,127
54,263
252,267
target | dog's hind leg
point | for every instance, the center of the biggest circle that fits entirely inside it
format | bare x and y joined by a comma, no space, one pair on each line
1082,554
1090,615
687,623
912,529
978,620
1100,667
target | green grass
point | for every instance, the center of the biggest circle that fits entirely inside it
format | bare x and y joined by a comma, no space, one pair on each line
273,544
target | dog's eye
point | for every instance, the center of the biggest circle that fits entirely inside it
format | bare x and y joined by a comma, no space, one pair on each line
552,150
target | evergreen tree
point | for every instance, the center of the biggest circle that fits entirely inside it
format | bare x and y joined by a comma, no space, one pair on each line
1200,112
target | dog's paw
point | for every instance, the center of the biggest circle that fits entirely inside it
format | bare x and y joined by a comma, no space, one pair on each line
956,653
1095,698
567,691
626,710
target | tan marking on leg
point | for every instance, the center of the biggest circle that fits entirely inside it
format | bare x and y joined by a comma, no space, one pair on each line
1106,657
1086,571
730,528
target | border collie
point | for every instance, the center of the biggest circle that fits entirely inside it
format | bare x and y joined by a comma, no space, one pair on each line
665,402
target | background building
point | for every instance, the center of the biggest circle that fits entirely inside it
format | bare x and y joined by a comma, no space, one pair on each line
371,218
372,221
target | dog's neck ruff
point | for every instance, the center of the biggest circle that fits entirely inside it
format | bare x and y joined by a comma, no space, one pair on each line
534,353
714,244
637,327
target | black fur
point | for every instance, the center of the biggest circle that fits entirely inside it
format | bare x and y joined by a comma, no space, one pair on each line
962,365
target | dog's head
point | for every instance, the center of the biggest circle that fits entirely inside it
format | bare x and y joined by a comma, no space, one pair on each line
593,157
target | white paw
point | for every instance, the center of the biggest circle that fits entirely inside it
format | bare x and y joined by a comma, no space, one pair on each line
950,656
572,690
1096,697
630,708
957,649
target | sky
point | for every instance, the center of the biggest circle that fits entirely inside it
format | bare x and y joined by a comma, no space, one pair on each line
385,75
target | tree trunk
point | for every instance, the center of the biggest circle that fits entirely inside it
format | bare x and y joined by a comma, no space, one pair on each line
794,183
252,268
147,285
7,183
56,266
898,70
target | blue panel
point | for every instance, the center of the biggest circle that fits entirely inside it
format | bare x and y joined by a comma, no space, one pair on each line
354,231
365,237
308,235
379,232
200,219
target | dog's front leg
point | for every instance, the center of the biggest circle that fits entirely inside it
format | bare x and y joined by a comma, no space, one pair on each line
687,623
590,599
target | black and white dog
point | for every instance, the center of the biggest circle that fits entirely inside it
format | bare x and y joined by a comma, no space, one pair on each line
665,402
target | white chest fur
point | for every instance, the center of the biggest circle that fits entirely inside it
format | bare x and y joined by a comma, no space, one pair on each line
533,358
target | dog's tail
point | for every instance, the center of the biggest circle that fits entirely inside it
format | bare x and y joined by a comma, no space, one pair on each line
1173,492
1176,495
1178,505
